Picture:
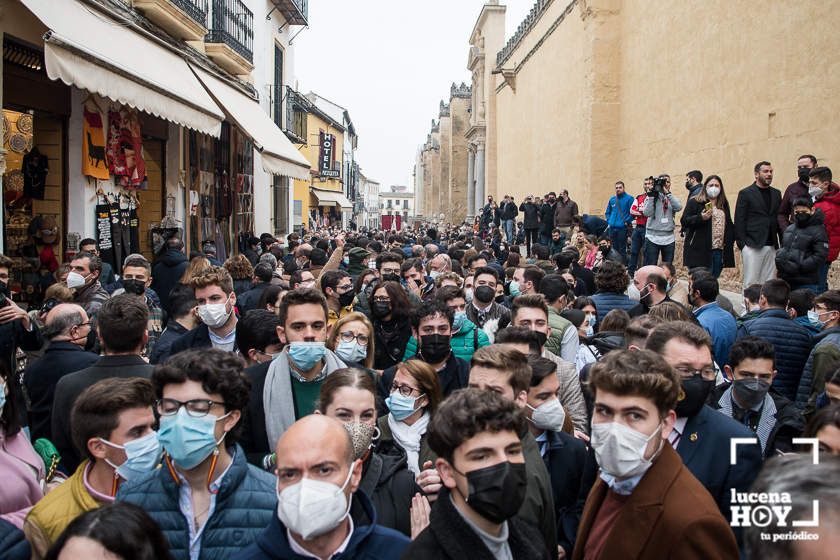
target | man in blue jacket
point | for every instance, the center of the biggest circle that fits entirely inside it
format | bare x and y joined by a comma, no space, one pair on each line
703,291
321,512
209,502
791,340
619,218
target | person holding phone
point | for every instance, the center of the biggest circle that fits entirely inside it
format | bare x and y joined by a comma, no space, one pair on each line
708,229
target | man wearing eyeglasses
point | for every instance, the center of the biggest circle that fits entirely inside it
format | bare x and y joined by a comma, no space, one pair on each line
702,436
211,502
66,327
122,325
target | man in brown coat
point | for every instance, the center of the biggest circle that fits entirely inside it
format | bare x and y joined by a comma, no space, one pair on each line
645,504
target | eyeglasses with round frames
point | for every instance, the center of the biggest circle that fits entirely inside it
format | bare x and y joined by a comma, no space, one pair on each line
195,407
361,339
405,390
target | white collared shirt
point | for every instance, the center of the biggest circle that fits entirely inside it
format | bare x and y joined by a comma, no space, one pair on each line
677,432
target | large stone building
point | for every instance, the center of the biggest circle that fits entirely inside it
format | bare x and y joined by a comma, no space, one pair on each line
440,171
587,92
596,90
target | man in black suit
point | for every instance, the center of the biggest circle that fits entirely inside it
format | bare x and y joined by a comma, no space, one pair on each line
757,227
702,435
122,325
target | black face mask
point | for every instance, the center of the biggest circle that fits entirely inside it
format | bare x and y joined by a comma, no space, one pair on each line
380,309
802,218
346,298
803,174
435,347
695,391
500,299
4,289
605,250
552,200
750,391
542,337
132,286
688,185
484,294
391,277
496,493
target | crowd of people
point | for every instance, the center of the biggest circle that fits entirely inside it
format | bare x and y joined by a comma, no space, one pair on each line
435,394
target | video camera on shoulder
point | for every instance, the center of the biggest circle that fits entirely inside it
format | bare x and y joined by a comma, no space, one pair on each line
659,184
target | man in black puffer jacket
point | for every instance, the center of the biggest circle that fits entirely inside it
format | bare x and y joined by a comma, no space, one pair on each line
804,247
791,340
168,269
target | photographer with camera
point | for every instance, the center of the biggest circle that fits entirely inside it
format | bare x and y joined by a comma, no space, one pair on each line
660,207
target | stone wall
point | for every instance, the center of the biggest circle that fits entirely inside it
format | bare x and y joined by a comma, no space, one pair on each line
456,207
600,90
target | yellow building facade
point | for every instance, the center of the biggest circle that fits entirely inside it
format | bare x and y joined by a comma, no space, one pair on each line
321,199
588,92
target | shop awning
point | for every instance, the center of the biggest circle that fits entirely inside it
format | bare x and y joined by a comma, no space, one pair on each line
89,50
332,198
279,156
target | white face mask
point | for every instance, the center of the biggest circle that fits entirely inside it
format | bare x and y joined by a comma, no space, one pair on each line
214,315
815,192
550,415
713,192
620,450
468,295
75,280
311,507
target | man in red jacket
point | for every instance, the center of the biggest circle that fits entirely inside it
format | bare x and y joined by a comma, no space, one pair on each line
826,196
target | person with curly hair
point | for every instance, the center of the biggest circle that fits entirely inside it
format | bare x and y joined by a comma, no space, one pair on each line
209,500
241,271
612,282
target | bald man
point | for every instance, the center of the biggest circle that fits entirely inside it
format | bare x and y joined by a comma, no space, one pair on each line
67,328
320,514
652,285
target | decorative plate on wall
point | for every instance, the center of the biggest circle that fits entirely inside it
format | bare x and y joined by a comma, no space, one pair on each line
24,123
17,143
14,180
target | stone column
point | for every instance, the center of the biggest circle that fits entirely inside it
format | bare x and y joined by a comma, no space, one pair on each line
479,177
470,186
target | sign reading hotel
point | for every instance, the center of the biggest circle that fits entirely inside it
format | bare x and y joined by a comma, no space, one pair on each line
327,156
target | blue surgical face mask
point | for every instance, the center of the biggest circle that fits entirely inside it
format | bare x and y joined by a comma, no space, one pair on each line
187,439
401,407
458,322
306,354
351,352
142,455
514,289
2,396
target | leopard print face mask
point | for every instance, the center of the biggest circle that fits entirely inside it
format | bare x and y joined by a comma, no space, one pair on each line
362,435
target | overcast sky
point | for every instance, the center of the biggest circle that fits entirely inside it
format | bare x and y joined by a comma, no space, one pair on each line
390,62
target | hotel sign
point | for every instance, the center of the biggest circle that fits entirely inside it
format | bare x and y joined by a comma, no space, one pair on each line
326,159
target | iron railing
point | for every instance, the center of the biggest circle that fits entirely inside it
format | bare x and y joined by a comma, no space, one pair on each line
296,12
297,107
232,23
196,9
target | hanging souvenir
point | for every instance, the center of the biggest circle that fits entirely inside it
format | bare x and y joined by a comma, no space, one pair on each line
35,167
17,143
24,123
125,149
103,230
133,225
94,163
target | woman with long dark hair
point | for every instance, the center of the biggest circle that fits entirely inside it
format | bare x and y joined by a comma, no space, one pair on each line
389,308
708,228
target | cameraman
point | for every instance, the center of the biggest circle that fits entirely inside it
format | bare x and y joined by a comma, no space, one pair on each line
660,207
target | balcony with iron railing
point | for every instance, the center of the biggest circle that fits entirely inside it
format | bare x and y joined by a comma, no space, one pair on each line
296,12
230,42
183,19
297,108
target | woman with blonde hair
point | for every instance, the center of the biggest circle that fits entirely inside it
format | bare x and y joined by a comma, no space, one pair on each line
351,338
198,266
